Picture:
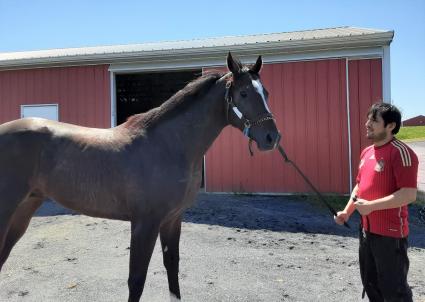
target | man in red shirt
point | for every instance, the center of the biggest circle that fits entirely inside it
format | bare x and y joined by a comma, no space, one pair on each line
386,184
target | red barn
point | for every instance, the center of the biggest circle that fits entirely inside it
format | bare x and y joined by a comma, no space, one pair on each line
415,121
321,83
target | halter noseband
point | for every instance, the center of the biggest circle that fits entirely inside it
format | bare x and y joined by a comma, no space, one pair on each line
247,123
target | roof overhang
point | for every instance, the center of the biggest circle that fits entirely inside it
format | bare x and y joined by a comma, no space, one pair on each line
192,55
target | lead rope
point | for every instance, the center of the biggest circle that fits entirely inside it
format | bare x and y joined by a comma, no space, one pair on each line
321,198
250,147
365,244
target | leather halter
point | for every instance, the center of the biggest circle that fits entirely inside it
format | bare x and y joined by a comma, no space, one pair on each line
247,122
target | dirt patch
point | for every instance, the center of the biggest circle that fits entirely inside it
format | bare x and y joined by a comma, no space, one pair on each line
233,248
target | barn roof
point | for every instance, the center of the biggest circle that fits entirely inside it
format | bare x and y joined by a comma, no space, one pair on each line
307,40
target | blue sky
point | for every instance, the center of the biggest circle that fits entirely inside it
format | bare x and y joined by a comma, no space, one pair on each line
46,24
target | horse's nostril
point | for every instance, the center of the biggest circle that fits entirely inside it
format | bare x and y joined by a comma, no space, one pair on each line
269,139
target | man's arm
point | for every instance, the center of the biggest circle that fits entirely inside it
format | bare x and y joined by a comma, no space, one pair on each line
402,197
344,215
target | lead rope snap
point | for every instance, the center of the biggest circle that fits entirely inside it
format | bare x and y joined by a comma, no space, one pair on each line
247,125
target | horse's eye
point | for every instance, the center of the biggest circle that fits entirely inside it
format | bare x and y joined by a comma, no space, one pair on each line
244,94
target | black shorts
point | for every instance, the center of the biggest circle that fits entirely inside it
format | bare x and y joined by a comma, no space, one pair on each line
383,267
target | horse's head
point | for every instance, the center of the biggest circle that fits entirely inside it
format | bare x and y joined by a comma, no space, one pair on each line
247,104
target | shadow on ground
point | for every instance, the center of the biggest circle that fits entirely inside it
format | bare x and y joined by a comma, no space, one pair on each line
273,213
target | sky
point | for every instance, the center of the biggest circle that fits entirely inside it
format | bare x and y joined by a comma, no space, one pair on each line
47,24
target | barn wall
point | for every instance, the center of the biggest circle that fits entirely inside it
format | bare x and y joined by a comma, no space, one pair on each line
365,85
415,121
82,92
308,100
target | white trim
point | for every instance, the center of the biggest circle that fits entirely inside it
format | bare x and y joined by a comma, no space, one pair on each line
386,74
217,59
113,99
56,106
348,125
306,41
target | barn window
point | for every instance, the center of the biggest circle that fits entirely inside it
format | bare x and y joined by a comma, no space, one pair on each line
47,111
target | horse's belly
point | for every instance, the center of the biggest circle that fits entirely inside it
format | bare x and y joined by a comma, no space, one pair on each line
93,203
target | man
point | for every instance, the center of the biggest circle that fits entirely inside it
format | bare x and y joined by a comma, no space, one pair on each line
386,184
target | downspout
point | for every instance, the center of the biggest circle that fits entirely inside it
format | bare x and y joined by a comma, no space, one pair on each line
348,125
386,75
113,99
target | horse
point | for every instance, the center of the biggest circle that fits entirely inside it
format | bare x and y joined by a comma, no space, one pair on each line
146,171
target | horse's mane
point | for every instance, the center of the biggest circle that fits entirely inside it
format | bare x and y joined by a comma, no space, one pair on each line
175,104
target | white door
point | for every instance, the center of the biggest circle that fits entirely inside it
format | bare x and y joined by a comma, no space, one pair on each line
47,111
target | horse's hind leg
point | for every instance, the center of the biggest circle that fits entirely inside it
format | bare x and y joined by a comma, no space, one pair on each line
170,237
17,225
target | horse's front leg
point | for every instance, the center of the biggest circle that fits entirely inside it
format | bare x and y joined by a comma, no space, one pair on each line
170,237
144,232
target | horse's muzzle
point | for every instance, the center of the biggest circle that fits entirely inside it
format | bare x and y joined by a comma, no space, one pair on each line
272,140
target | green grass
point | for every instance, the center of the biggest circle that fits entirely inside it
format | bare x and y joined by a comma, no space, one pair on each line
416,133
338,202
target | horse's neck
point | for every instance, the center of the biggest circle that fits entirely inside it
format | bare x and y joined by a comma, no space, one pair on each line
194,130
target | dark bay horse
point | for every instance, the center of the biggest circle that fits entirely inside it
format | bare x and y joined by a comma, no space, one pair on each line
146,171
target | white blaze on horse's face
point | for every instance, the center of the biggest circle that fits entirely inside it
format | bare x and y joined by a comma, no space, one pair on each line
259,88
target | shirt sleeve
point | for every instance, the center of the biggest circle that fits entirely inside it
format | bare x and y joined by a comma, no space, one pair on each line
405,166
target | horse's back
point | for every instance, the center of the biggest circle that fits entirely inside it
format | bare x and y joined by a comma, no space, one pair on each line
23,132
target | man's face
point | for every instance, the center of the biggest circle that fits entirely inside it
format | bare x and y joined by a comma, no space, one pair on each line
375,129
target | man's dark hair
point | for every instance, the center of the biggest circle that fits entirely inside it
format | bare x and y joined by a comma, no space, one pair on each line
388,112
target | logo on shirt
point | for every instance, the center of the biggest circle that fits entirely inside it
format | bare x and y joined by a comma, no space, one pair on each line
379,167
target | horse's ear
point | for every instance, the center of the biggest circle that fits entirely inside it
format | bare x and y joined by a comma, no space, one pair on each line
232,65
257,66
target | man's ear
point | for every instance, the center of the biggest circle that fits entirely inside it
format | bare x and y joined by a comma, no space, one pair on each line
391,126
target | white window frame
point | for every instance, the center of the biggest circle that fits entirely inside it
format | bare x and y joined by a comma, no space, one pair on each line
55,106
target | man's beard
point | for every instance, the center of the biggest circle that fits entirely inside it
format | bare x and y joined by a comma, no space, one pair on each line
378,137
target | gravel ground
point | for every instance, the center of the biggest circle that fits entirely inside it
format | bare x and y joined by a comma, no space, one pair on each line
233,248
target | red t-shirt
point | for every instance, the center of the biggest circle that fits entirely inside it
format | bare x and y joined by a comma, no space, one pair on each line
384,170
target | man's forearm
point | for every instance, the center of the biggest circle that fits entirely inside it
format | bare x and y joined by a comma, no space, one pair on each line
399,198
350,207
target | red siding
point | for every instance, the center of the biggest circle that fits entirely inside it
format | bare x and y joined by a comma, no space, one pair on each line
83,93
415,121
308,100
365,80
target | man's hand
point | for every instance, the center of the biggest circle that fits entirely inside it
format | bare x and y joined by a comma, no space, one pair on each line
364,206
341,217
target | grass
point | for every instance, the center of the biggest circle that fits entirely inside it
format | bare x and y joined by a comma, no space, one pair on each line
413,133
338,202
